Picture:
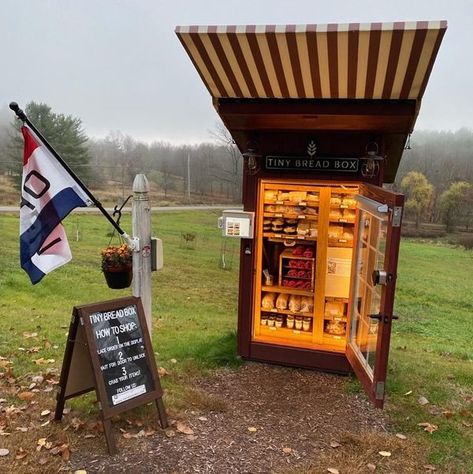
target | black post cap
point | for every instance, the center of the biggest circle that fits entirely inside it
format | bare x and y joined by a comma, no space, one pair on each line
19,113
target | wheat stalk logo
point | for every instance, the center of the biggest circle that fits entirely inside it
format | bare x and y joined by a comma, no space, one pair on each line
311,148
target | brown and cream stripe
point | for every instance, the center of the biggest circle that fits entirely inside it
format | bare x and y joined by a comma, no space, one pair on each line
335,61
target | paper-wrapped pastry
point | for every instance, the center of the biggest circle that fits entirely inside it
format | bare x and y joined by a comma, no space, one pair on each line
270,208
270,195
267,302
295,303
307,304
282,300
297,196
289,229
347,235
311,211
334,309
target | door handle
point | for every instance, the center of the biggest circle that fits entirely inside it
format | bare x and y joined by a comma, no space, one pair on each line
382,317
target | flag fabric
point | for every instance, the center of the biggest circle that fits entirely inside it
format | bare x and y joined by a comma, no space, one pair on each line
48,194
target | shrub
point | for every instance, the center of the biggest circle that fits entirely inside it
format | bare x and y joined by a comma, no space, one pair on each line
421,233
466,241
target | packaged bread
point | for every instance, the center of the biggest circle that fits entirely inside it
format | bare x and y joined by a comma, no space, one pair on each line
348,202
270,195
335,214
303,228
335,200
335,231
334,309
267,302
307,304
270,208
296,196
347,235
282,300
349,215
313,197
336,328
283,196
312,211
295,303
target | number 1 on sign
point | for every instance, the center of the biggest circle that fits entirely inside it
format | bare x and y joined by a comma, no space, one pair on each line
118,340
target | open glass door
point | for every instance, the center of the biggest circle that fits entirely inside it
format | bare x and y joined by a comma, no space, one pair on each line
373,283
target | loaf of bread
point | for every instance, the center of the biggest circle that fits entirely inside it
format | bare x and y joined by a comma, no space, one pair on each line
307,304
270,195
296,196
267,302
295,303
281,301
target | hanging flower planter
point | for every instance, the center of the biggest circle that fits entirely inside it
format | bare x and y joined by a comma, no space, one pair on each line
117,266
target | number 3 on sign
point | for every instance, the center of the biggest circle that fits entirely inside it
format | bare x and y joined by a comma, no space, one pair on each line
124,370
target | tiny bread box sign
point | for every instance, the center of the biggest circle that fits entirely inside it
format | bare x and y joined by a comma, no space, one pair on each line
109,350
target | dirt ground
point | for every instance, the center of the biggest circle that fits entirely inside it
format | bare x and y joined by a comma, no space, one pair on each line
255,419
265,419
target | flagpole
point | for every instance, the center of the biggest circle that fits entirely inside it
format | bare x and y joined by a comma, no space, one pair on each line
22,116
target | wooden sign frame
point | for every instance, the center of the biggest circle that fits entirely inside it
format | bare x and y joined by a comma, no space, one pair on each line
82,370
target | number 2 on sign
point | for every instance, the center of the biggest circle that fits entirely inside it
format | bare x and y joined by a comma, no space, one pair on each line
120,355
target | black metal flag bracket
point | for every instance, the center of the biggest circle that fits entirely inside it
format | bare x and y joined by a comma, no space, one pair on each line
133,243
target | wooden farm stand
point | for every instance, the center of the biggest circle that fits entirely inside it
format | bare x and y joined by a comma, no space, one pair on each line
322,114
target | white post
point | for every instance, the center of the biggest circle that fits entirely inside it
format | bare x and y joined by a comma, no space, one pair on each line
141,224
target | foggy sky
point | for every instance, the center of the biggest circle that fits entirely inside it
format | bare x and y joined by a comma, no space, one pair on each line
117,64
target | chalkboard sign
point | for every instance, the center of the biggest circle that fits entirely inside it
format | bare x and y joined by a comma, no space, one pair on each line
109,350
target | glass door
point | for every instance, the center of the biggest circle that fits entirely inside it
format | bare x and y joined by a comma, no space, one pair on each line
373,284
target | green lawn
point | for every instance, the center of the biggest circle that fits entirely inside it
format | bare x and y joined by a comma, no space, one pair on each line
194,310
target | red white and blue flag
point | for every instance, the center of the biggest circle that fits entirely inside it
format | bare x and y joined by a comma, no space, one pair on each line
48,194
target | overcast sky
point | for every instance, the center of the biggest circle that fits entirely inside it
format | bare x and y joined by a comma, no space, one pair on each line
118,65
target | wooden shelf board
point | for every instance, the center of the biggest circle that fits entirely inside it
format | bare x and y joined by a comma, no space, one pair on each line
285,289
287,311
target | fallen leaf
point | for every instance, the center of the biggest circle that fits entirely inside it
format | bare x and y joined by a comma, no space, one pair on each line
38,379
25,396
287,450
465,423
80,471
45,412
170,433
447,414
150,432
4,452
42,461
334,444
183,428
65,452
21,453
252,429
191,438
127,435
401,436
162,372
28,335
88,436
422,401
429,427
173,361
429,467
202,418
23,429
56,450
371,466
407,393
332,470
66,410
385,454
46,423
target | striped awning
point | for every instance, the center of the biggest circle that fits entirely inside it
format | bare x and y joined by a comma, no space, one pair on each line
335,61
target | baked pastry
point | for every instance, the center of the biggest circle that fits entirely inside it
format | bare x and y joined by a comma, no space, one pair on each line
334,308
289,229
283,196
349,215
282,300
312,211
347,235
349,202
303,228
267,301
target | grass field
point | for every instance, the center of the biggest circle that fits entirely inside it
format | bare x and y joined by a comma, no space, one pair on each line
194,308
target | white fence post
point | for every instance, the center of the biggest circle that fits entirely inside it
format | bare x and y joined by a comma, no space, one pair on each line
141,224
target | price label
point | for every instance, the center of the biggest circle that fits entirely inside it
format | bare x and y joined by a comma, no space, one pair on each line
279,202
302,216
295,331
277,214
302,203
272,328
342,220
